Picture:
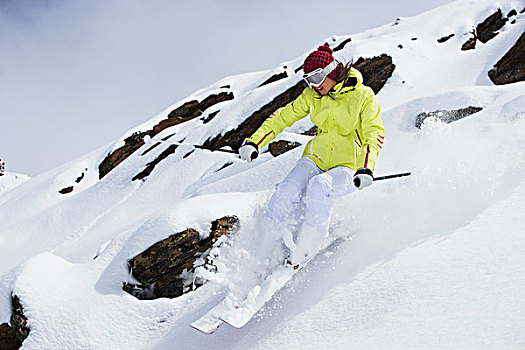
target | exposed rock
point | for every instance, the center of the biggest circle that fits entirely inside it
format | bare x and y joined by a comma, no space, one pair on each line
400,46
311,132
274,78
445,38
512,13
342,45
413,38
190,110
279,147
235,137
488,29
131,144
187,111
210,117
376,70
151,148
446,116
8,339
2,167
470,44
18,320
151,165
169,137
511,67
80,178
227,164
66,190
166,268
188,154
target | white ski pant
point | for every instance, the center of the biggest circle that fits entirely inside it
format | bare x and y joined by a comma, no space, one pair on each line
307,196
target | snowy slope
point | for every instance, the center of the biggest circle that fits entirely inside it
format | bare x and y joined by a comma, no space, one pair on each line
429,261
9,180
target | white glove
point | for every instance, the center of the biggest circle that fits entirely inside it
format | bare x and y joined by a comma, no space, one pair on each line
363,178
248,152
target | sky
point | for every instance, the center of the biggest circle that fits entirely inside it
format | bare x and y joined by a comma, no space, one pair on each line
77,74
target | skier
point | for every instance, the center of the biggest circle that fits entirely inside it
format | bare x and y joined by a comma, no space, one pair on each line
349,137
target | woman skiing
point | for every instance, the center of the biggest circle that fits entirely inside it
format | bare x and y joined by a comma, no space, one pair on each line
349,137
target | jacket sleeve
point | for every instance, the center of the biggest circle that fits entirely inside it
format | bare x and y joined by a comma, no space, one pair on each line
373,133
280,119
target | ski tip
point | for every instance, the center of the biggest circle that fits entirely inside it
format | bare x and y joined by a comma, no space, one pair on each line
206,330
232,324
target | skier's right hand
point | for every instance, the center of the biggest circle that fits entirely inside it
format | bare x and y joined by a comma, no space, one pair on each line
248,152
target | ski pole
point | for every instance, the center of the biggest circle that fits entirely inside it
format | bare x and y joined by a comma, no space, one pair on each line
385,177
391,176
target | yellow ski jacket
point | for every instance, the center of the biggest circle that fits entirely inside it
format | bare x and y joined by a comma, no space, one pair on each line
350,130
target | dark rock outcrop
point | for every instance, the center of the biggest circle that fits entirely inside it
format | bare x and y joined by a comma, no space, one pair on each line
376,70
470,44
151,165
164,269
8,339
279,147
227,164
445,38
274,78
18,320
311,132
511,67
486,30
235,137
210,117
151,148
80,178
187,111
342,45
190,110
66,190
446,116
131,144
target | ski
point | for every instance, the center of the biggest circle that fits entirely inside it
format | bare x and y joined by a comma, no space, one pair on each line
210,321
240,314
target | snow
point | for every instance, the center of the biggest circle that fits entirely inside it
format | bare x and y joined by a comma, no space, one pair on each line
9,180
430,261
469,285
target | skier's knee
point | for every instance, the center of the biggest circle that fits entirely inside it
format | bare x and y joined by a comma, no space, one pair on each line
318,201
320,189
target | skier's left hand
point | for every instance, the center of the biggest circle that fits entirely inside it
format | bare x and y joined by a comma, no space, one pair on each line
363,177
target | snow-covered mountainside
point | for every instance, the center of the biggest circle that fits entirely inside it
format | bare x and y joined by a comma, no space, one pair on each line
434,260
9,180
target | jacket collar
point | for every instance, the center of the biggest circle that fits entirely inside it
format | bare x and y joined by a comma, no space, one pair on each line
352,81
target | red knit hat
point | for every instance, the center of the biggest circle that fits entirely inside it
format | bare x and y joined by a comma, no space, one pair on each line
320,58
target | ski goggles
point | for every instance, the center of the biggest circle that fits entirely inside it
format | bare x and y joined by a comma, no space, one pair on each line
316,77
